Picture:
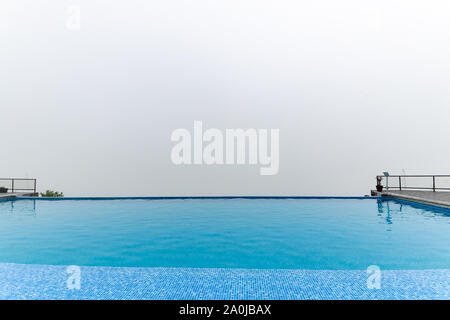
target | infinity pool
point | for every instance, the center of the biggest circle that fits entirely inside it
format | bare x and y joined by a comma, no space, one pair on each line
332,234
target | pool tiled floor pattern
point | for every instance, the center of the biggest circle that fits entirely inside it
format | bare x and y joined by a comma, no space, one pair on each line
20,281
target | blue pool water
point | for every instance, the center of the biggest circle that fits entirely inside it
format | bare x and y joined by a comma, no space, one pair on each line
339,234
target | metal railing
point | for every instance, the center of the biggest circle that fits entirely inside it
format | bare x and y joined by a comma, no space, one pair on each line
432,180
13,184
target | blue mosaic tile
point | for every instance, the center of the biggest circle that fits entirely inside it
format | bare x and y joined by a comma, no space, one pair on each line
18,281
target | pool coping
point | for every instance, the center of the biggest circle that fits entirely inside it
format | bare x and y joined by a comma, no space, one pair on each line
435,203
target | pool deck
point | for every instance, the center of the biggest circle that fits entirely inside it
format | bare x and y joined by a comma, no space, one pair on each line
12,195
438,198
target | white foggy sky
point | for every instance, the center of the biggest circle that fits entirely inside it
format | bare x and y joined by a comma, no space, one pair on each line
355,87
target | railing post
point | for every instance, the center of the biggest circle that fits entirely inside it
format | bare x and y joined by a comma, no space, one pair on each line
434,184
400,182
12,185
34,185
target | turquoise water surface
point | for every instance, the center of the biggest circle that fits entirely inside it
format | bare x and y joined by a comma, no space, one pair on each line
226,233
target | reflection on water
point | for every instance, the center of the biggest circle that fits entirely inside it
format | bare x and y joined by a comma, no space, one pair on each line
385,210
21,208
389,208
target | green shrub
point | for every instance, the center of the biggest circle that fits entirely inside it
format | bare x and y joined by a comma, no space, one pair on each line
52,194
